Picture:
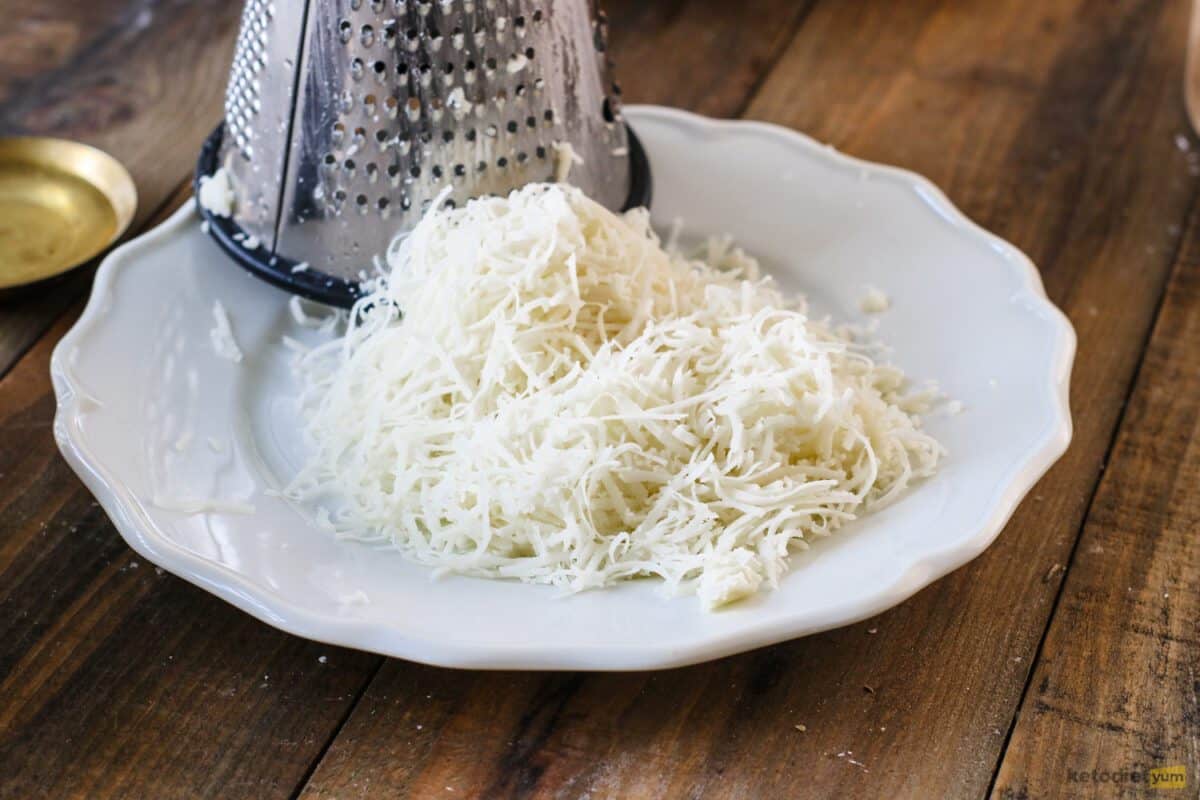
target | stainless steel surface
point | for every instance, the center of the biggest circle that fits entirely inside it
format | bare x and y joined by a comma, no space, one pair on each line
346,118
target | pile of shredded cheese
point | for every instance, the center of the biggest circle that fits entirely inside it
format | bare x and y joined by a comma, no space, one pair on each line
564,401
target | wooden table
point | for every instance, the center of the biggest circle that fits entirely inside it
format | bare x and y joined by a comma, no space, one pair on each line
1069,646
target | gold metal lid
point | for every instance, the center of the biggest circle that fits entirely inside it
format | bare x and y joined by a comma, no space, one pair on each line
61,204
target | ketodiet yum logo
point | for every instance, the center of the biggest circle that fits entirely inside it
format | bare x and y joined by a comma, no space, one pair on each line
1174,777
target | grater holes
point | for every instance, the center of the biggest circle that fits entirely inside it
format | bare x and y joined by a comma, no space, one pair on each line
436,172
512,126
601,31
391,106
345,31
357,69
367,35
242,100
370,104
610,115
541,152
460,170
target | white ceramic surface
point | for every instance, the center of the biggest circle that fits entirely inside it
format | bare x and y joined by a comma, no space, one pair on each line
137,378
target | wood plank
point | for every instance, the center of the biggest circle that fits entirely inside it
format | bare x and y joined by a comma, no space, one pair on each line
119,681
1052,123
139,80
1115,689
703,55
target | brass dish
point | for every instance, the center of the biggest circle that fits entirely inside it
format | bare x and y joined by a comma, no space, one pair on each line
61,204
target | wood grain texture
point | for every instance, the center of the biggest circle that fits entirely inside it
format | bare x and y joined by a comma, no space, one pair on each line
143,80
119,681
1053,124
703,55
1115,689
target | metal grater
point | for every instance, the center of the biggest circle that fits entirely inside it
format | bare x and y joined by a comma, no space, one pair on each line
345,119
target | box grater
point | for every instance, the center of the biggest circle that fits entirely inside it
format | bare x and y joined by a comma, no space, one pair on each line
345,119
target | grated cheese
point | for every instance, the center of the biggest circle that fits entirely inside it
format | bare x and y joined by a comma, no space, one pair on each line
565,160
875,301
217,195
223,341
565,402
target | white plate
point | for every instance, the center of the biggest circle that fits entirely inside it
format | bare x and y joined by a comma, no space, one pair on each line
138,373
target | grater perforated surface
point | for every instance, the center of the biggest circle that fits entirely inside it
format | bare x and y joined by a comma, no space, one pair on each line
242,98
347,118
